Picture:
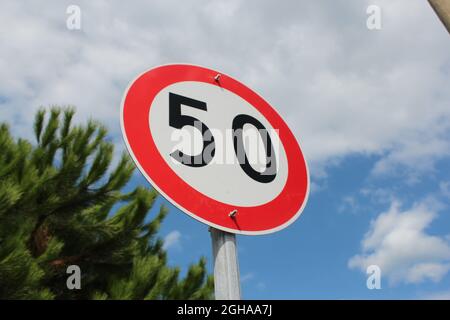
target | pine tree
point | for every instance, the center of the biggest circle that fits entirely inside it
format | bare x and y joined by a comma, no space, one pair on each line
61,204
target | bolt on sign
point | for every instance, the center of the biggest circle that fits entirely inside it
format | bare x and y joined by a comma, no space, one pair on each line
215,149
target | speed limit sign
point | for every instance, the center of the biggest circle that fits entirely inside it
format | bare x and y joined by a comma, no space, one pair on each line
215,149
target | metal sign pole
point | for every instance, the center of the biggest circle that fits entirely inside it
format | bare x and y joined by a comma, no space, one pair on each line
226,267
442,9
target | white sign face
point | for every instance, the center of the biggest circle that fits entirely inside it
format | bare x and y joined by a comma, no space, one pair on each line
215,149
223,178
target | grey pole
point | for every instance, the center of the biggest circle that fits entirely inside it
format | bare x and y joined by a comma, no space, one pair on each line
442,9
226,266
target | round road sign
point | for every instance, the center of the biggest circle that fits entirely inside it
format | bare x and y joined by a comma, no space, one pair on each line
215,149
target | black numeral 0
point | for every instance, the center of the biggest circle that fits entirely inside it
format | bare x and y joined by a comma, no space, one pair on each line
178,121
268,175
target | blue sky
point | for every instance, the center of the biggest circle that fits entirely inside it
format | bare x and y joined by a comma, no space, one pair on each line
370,107
309,259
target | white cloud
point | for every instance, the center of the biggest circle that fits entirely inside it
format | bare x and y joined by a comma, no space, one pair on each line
247,277
398,243
421,271
172,240
261,286
384,195
349,204
342,88
444,187
415,155
442,295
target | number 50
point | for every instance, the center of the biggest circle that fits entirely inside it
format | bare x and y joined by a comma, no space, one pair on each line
178,121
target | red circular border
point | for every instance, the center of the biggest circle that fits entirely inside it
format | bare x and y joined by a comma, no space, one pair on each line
266,218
